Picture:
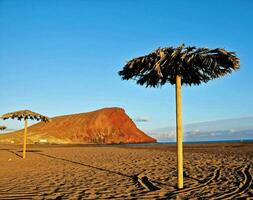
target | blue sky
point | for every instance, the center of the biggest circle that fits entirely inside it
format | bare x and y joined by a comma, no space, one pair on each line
60,57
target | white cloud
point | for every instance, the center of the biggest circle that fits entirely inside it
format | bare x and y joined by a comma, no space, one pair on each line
232,131
142,119
167,135
194,132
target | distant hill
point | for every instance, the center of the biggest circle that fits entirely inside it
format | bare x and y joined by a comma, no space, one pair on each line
104,126
226,129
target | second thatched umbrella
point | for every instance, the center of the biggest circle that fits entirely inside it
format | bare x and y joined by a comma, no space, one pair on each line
25,114
2,128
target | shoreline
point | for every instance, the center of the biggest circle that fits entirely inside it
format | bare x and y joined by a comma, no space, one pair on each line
208,143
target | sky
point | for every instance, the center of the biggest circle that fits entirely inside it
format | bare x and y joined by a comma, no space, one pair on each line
62,57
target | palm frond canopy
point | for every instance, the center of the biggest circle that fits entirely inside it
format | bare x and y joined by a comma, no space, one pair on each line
194,65
25,114
3,127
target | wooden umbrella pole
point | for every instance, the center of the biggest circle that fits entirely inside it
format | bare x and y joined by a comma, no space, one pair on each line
179,133
25,135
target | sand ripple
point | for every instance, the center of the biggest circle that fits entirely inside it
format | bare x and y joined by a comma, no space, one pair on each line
107,172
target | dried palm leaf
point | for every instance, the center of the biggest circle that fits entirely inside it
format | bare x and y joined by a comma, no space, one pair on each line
194,65
25,114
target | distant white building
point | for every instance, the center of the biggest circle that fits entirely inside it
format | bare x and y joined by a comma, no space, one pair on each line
43,141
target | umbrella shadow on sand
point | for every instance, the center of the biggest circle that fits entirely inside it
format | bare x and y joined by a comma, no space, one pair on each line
139,181
17,152
11,151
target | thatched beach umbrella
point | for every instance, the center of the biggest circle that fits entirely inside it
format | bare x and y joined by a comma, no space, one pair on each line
2,128
180,66
25,114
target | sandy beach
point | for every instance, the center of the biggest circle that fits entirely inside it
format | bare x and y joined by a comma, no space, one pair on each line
212,171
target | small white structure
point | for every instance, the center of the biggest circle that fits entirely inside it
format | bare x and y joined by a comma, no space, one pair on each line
43,141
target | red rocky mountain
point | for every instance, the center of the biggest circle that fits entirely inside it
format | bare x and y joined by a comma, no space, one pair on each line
104,126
